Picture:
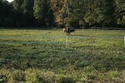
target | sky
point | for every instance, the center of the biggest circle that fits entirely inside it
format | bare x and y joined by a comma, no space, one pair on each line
9,0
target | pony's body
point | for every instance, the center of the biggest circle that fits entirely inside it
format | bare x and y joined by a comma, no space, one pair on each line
68,30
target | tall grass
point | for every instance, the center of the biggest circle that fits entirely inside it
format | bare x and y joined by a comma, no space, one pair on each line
41,56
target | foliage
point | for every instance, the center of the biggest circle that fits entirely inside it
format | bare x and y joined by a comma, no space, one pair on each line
62,13
71,22
120,12
42,12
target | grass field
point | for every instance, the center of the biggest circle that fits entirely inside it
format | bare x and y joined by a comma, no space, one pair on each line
41,56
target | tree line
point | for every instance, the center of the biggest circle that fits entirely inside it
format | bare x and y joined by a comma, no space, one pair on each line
62,13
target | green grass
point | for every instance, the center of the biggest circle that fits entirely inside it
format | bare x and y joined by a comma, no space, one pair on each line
41,56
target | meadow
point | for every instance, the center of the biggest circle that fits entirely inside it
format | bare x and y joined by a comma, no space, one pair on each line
41,56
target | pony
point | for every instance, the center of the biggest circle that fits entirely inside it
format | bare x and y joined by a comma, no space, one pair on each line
68,30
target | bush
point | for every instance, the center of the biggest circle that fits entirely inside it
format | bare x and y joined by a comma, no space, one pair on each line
65,79
71,22
19,76
3,78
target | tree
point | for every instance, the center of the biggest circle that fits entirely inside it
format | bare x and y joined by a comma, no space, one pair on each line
120,12
63,13
57,7
106,12
17,4
27,9
18,15
91,13
42,12
5,13
73,13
